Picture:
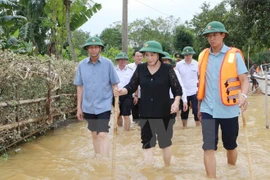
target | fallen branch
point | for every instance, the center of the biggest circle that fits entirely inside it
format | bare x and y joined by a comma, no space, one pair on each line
30,101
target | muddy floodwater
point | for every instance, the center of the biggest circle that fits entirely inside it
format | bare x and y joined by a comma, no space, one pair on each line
67,153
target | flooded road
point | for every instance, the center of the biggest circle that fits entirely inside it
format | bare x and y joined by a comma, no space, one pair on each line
67,153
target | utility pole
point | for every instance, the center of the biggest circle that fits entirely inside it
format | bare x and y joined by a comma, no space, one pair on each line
125,27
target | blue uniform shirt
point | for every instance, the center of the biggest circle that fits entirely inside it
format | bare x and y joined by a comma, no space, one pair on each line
212,103
97,80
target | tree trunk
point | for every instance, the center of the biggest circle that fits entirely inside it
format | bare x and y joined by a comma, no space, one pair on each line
67,5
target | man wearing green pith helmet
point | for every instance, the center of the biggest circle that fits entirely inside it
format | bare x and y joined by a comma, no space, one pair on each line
95,80
124,73
188,70
222,73
155,79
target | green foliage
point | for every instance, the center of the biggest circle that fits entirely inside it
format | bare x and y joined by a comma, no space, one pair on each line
248,23
199,21
79,38
82,13
111,37
260,58
253,24
256,17
34,13
6,4
159,29
183,37
42,22
33,27
112,52
5,156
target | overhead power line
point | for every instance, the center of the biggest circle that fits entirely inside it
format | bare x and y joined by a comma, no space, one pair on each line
153,8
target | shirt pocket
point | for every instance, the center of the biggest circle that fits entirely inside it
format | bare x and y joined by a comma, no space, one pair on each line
194,71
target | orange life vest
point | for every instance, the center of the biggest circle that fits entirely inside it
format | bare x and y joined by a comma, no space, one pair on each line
229,82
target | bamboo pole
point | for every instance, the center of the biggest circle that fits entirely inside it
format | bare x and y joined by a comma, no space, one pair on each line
30,101
246,139
115,116
266,101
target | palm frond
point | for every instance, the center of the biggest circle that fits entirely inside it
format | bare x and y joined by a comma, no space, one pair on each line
24,31
82,17
9,20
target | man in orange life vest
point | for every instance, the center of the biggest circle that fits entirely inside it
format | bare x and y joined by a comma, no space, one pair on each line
222,73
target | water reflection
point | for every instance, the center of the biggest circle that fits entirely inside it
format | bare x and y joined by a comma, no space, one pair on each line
67,153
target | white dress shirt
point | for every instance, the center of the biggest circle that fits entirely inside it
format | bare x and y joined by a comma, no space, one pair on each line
184,96
189,76
124,75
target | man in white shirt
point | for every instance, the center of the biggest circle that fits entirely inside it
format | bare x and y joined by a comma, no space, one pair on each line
124,73
188,70
137,56
168,60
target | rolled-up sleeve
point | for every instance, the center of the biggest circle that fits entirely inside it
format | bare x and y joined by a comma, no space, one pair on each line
78,78
114,79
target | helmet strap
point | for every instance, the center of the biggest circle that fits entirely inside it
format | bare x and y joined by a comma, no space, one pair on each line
156,62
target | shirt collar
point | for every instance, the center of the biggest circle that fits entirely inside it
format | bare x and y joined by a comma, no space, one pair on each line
191,63
223,50
100,59
118,69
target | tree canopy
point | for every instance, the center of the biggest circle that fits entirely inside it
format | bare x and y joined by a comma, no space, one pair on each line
47,27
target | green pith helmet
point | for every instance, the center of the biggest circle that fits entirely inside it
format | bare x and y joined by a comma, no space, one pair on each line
214,27
187,51
121,55
167,56
93,41
152,46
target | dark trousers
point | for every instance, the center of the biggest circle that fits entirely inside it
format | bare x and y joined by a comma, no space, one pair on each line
194,103
135,111
153,129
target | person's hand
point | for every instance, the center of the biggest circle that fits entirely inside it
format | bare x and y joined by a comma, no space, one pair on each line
174,107
243,103
117,92
185,106
135,100
120,92
79,114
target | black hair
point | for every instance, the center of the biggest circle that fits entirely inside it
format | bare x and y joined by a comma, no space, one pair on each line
160,57
134,53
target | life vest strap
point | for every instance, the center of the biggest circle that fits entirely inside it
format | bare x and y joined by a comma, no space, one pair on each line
229,89
234,79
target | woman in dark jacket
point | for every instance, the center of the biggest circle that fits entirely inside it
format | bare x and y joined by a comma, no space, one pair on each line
155,79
